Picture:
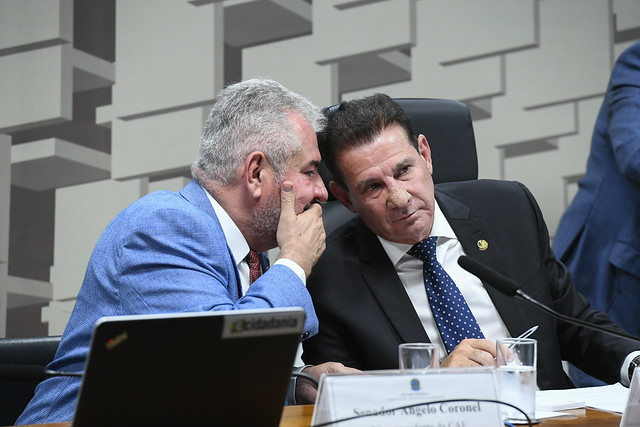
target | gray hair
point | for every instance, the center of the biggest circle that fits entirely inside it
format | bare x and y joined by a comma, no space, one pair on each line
251,115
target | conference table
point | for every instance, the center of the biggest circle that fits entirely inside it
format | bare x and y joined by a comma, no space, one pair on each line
300,416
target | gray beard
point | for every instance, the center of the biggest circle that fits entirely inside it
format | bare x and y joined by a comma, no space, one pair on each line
267,218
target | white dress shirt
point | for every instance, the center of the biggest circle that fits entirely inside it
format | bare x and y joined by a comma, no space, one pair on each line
240,248
448,250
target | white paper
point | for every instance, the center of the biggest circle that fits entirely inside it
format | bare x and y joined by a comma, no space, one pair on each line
546,401
608,398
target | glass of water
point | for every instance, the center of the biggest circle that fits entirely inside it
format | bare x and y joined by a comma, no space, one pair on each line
516,374
418,356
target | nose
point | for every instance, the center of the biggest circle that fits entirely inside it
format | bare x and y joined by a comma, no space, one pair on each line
321,193
398,198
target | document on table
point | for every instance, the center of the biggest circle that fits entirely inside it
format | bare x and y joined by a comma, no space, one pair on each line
608,398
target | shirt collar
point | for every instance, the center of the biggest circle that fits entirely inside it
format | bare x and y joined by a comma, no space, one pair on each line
440,228
235,239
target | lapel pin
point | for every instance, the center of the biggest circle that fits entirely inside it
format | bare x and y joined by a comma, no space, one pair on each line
482,244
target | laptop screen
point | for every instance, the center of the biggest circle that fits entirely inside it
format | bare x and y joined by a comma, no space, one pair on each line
225,367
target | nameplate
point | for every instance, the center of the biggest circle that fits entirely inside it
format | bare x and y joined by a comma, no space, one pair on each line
450,397
631,415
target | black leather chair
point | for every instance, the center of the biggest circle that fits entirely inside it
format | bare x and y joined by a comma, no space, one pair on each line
16,393
448,128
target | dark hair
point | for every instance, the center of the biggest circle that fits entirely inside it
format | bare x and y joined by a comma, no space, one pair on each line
358,122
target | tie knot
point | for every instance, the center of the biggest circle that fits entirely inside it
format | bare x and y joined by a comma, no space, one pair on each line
425,249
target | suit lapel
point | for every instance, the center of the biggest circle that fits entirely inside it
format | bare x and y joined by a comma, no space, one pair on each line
195,195
387,289
470,230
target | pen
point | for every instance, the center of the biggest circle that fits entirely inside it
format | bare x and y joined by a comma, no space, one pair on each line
524,335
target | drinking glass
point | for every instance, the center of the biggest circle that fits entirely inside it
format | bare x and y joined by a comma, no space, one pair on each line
516,375
418,356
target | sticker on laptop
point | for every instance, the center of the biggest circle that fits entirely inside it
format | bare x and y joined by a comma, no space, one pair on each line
260,324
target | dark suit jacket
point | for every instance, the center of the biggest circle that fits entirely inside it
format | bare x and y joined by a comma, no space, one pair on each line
364,311
606,208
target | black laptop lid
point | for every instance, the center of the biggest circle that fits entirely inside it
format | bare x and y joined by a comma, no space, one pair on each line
214,368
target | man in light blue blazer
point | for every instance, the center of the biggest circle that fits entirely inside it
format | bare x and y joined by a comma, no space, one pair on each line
598,236
255,187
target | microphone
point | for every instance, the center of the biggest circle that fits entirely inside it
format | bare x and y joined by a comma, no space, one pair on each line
489,275
31,373
508,287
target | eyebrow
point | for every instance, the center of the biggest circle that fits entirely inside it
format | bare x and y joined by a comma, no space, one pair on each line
403,163
311,164
364,184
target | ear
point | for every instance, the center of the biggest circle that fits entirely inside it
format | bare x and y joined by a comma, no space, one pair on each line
342,195
257,171
425,151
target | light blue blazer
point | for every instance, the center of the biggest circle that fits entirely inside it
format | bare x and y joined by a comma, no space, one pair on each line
164,253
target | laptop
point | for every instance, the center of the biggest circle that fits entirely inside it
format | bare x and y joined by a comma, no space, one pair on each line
213,368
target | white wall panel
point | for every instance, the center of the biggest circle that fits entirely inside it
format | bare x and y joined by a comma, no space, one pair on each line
544,172
155,144
35,88
52,163
377,26
5,196
532,71
169,54
296,70
626,13
456,30
57,314
572,60
25,22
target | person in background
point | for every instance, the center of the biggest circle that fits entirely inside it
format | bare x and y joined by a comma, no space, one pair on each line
255,187
598,237
391,274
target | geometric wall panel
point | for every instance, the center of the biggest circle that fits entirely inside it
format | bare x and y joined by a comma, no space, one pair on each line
5,194
163,47
102,102
252,23
53,163
625,13
35,89
37,86
294,70
343,38
156,145
34,23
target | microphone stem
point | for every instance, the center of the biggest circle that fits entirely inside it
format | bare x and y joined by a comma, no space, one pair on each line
578,322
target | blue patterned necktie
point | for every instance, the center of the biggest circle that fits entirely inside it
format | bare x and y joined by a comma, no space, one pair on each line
450,310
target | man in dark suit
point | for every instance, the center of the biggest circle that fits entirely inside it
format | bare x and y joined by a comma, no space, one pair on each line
607,206
369,293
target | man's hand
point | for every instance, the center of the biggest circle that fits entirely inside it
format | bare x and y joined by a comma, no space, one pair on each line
471,352
306,391
301,238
